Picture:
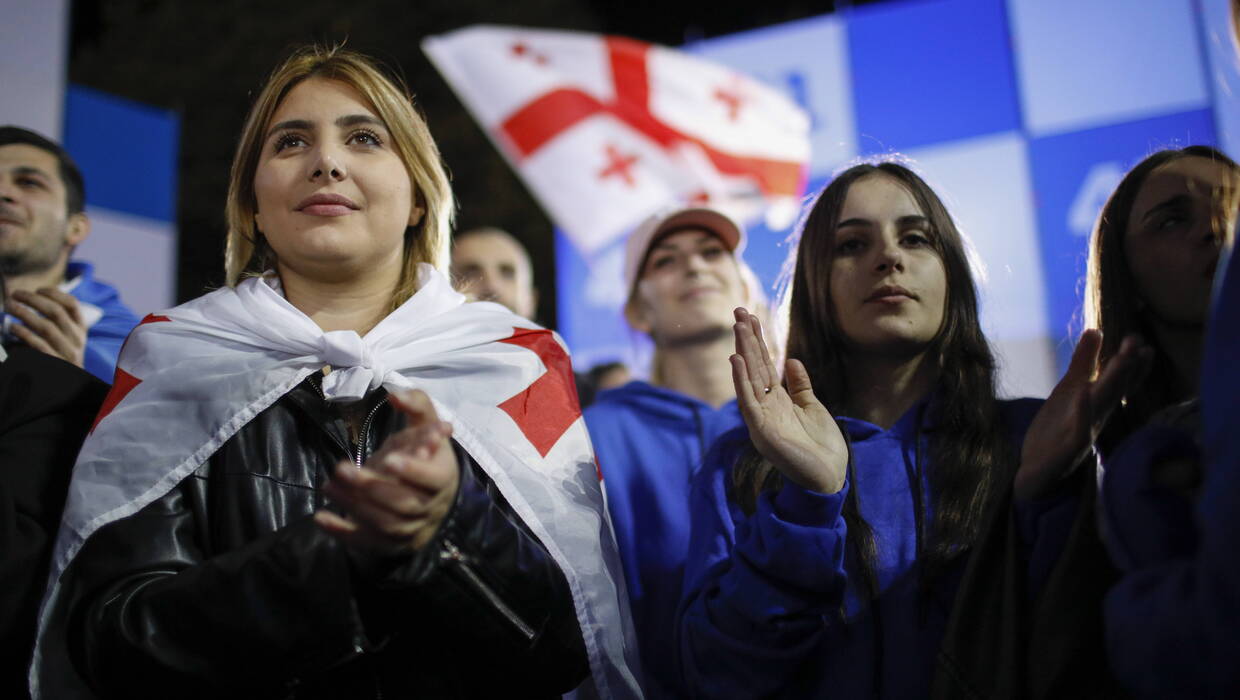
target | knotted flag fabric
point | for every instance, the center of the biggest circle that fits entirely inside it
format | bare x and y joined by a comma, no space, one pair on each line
605,130
192,376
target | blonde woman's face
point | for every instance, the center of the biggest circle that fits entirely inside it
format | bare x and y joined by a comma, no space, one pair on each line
333,196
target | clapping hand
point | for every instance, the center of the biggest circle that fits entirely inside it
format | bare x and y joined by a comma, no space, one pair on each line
397,500
1066,426
51,323
790,427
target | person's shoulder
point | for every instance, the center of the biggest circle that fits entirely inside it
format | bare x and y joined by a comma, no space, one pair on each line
1018,407
91,289
1016,414
626,398
33,381
714,473
729,446
615,412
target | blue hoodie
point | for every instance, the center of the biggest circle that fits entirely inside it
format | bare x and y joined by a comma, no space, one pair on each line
763,593
106,335
649,443
1173,620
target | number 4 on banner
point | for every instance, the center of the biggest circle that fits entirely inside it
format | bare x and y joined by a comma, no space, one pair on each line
1100,182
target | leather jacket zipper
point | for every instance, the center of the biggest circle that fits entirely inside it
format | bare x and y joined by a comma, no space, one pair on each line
360,445
452,553
361,436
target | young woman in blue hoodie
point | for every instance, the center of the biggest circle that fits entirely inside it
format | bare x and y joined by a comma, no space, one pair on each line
825,553
684,276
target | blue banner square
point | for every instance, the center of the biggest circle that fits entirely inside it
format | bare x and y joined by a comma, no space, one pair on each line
127,152
931,71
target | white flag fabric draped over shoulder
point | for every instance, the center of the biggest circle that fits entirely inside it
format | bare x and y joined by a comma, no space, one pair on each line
188,379
606,130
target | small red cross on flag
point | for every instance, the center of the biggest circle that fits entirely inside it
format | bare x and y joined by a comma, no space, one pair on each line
732,100
521,49
671,125
620,165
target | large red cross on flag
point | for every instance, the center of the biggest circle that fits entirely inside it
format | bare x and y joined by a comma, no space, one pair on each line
605,130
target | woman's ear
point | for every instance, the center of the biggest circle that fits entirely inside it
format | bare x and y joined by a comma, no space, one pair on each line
415,215
636,315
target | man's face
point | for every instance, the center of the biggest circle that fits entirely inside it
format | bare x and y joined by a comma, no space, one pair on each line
34,220
492,267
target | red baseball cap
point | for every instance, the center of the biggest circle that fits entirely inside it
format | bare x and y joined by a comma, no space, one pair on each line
673,219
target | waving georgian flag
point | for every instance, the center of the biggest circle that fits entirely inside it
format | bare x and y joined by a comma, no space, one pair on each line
605,130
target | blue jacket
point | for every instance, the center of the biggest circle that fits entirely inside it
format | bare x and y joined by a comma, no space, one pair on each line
763,594
105,337
1173,620
649,443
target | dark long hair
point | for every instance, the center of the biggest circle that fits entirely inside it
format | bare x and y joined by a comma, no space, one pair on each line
1113,300
970,455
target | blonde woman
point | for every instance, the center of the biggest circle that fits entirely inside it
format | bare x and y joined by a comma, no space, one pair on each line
329,479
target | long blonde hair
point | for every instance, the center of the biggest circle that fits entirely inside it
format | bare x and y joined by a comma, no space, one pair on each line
247,253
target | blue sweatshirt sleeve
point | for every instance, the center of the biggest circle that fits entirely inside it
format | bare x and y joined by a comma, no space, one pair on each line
757,587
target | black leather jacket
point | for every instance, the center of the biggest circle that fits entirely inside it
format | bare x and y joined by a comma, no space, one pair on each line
226,585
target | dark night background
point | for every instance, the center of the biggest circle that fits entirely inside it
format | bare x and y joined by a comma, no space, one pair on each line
206,60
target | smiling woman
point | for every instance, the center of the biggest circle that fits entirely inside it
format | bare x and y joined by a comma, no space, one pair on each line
379,130
334,200
685,276
268,507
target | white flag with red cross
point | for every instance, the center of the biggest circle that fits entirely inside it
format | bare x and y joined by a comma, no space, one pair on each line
606,130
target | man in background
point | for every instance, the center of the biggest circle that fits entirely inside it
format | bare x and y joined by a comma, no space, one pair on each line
55,306
490,264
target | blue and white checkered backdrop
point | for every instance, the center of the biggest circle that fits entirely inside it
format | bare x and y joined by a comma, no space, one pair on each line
1022,114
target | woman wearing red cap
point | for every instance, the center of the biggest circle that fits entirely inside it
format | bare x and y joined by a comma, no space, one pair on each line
684,277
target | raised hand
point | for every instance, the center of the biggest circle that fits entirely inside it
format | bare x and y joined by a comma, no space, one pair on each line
791,428
397,500
1074,414
52,323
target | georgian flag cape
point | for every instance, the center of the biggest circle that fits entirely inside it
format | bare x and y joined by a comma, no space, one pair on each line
190,378
606,130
